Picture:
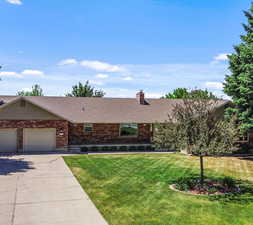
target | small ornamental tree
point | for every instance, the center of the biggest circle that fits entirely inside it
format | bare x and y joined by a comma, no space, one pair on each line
85,90
239,84
197,126
36,91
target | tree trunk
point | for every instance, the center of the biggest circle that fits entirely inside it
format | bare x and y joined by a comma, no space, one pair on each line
201,171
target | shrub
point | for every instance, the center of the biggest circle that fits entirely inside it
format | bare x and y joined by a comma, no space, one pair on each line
141,148
123,148
212,190
149,148
105,148
113,148
186,183
242,149
84,149
132,148
225,185
228,182
94,149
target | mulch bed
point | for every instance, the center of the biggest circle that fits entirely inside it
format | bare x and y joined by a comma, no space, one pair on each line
220,190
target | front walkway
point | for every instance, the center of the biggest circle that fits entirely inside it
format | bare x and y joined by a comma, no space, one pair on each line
41,190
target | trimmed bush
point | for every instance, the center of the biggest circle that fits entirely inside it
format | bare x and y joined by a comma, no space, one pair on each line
94,149
123,148
132,148
105,148
84,149
113,148
141,148
149,148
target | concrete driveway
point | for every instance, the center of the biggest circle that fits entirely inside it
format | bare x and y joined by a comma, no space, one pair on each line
41,190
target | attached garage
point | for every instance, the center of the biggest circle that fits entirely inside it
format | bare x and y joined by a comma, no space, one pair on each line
8,140
39,139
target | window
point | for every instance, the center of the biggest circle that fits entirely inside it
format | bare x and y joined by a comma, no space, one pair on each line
87,127
129,130
22,103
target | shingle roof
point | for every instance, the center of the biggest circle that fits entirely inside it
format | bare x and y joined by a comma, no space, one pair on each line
103,110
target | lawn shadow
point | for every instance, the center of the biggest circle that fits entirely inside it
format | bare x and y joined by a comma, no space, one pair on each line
245,196
9,165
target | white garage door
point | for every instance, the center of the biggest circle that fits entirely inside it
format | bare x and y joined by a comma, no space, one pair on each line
41,139
8,140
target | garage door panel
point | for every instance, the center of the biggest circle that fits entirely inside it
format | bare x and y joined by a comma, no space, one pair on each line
8,140
40,139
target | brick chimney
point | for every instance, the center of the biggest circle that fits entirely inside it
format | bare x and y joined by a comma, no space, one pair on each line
140,96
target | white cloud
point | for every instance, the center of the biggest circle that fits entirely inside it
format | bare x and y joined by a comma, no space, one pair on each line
10,74
102,75
95,82
21,74
153,78
101,66
15,2
221,57
214,85
32,72
127,78
68,62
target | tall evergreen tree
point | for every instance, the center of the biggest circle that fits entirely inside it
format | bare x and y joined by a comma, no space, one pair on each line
239,84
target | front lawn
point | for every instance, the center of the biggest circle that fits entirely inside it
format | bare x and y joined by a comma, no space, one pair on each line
133,189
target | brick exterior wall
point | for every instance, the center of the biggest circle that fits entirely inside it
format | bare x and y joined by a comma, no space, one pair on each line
74,134
60,125
106,134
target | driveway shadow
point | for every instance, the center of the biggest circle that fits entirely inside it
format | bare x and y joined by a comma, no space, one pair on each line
10,165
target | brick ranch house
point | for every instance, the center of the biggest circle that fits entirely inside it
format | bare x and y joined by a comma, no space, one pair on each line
56,123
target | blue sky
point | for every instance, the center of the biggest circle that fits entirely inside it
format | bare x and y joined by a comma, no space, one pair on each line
120,46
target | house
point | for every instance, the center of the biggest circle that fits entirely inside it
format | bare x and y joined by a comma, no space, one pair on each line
55,123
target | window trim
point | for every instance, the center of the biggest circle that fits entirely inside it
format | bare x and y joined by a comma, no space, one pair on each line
87,125
130,136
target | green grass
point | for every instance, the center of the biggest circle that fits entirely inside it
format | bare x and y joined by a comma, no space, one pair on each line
133,189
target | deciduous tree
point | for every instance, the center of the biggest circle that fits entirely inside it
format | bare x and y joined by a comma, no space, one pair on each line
197,126
183,93
85,90
36,91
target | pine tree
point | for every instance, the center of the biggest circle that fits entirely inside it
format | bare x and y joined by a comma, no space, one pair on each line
239,85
